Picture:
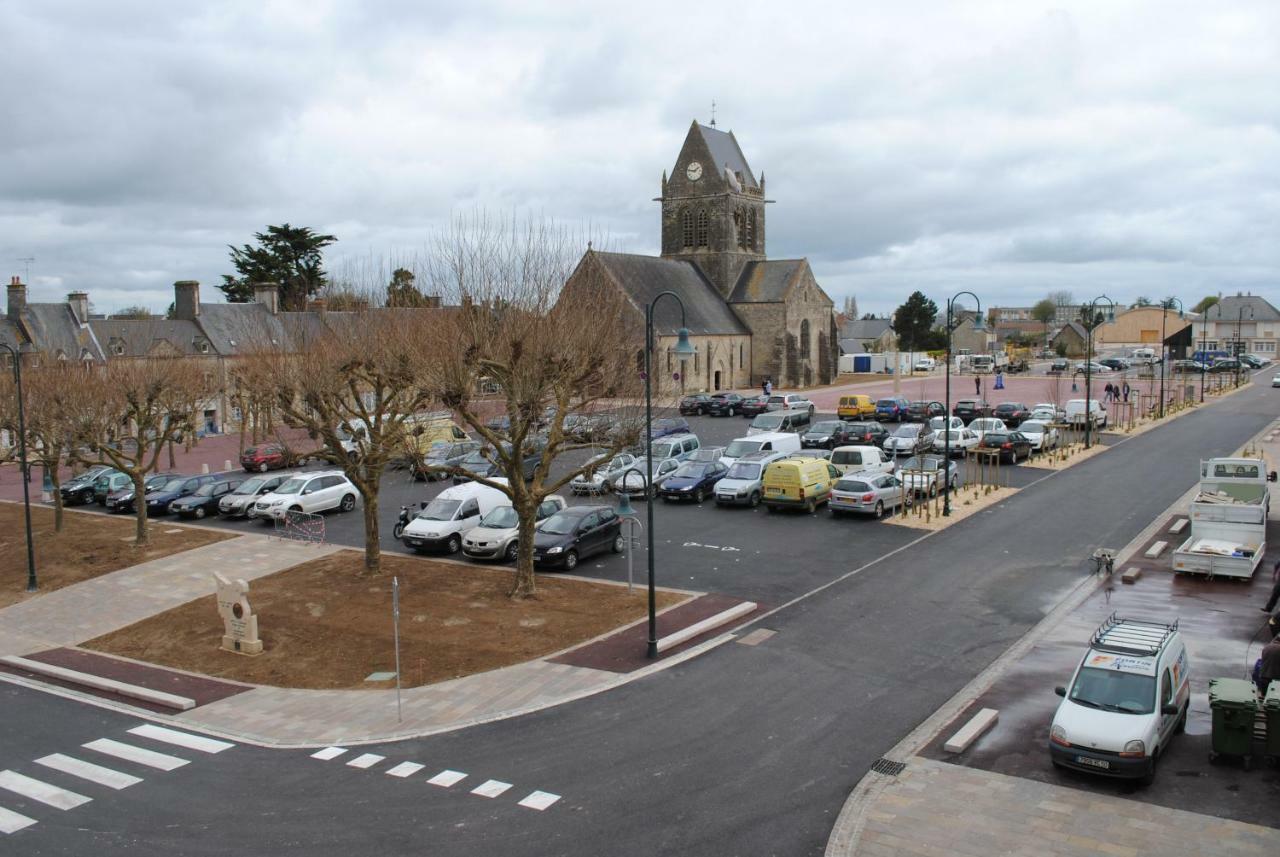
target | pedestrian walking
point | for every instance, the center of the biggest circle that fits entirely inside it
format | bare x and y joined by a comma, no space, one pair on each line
1127,390
977,386
1275,589
764,386
768,386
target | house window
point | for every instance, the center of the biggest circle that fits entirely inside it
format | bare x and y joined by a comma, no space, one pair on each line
1265,346
686,227
701,235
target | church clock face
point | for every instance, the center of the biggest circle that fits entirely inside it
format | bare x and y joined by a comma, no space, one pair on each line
693,171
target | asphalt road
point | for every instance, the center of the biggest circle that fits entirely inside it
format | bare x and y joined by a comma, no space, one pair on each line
744,750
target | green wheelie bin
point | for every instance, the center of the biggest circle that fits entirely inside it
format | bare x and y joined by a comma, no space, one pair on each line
1272,707
1234,702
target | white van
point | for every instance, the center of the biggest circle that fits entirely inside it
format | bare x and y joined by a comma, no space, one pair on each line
854,459
777,441
1075,413
454,511
1126,700
1143,355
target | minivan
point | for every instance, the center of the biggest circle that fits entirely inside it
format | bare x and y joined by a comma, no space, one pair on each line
1075,413
1125,702
762,442
852,459
743,484
798,483
677,446
779,421
454,512
856,407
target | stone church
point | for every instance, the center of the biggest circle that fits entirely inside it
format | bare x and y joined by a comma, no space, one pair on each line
749,317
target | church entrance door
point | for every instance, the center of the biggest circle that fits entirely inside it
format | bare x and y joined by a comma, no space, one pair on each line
717,379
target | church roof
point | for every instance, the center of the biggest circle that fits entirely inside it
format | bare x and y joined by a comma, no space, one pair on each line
726,152
643,278
766,282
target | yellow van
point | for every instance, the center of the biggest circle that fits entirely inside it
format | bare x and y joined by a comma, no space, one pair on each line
422,435
798,483
856,407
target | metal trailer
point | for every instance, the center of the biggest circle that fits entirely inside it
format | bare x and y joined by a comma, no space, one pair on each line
1228,520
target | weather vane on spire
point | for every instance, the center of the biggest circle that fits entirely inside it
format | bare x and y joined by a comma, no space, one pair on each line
713,113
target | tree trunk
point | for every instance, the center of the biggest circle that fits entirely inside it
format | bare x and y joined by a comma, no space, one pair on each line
57,499
139,509
372,547
173,465
524,586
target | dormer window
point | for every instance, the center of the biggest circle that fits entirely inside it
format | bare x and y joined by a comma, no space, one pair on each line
60,356
116,346
201,345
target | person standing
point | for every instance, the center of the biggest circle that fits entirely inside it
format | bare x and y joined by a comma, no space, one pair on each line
1127,390
1275,589
1269,668
977,386
768,386
764,386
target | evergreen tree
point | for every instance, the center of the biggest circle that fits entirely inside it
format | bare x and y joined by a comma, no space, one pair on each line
913,322
288,255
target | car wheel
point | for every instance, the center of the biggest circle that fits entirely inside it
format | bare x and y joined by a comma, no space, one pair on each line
512,551
262,468
570,560
699,496
933,489
618,543
879,509
348,502
1181,726
86,498
811,506
1150,776
731,412
454,544
754,499
295,508
398,530
200,513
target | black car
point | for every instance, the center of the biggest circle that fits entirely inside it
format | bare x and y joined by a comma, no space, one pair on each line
724,405
1012,413
670,425
441,456
122,499
577,533
828,434
754,406
1115,363
588,428
1014,446
79,489
970,410
484,463
204,500
695,405
693,480
920,412
1226,365
158,500
866,433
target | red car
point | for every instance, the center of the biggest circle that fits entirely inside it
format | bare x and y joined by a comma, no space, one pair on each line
270,456
753,407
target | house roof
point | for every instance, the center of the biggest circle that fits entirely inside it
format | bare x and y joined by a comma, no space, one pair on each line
242,327
1228,308
766,282
864,328
141,337
643,278
53,329
725,150
1075,327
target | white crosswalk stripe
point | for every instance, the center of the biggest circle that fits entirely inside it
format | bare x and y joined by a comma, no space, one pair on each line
41,791
366,760
89,771
12,822
405,769
328,753
491,788
180,739
130,753
539,800
447,778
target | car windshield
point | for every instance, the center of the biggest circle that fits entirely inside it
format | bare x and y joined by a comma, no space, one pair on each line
694,469
993,437
825,427
1032,427
501,518
906,431
172,484
767,421
886,403
1113,690
293,486
250,486
852,485
951,436
440,509
739,448
663,450
862,428
476,459
559,524
744,470
204,490
154,482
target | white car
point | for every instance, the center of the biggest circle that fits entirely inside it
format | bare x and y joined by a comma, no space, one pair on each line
1056,412
635,482
953,423
1041,435
497,536
308,492
925,364
603,470
1275,382
985,424
1094,368
960,441
789,402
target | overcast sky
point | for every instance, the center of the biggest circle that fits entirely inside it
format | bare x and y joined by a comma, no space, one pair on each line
1010,148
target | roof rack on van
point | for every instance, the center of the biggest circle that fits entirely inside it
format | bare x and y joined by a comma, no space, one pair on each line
1132,636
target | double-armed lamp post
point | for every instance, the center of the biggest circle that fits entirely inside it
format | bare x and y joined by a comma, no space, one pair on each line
1165,306
1090,321
952,324
16,356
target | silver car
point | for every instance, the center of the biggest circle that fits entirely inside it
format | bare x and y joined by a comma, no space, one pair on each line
599,478
868,493
634,481
909,439
240,501
1042,436
743,484
924,474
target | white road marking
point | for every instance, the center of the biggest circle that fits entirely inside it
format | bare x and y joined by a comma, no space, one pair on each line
89,771
539,800
491,788
366,760
328,753
180,739
447,778
130,753
12,822
41,791
406,769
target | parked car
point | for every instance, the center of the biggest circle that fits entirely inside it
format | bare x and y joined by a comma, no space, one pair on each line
485,464
636,480
1012,413
693,480
892,410
1041,435
868,433
798,483
971,409
308,492
239,502
457,510
1075,413
724,405
854,459
158,499
1059,365
827,434
960,441
1094,368
765,442
779,421
695,405
1226,364
754,406
122,499
791,402
1251,361
856,406
603,469
1013,446
1275,381
1262,359
670,425
204,500
1016,366
586,428
926,474
1188,366
909,439
743,483
824,454
981,426
868,493
497,535
500,424
924,364
924,411
110,482
1056,414
576,533
939,423
681,447
1116,364
78,490
434,465
264,457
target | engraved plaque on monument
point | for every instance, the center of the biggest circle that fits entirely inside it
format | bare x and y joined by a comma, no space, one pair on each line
240,625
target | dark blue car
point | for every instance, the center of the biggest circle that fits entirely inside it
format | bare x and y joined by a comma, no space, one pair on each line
670,425
180,486
894,410
693,480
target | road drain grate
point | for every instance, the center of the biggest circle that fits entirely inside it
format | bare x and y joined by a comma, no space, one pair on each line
885,766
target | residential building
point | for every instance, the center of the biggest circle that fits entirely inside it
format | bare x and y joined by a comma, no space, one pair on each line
1247,319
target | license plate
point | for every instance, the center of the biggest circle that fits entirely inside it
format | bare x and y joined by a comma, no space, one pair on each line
414,542
774,490
537,557
1093,763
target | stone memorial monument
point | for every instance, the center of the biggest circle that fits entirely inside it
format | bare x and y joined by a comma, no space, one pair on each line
240,625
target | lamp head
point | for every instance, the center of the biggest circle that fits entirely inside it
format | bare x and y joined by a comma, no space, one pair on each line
625,509
978,324
684,349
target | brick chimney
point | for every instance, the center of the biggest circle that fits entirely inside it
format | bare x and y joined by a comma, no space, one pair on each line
17,298
186,300
79,303
267,294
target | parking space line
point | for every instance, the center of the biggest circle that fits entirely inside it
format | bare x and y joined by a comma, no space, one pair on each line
12,822
89,771
180,739
365,760
130,753
328,753
447,778
405,769
491,788
539,800
41,791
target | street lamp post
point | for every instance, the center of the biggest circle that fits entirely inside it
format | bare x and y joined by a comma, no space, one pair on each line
952,324
15,354
1204,350
1165,306
1090,321
1238,348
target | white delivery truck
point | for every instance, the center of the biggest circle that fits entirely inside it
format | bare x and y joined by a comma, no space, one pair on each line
1228,519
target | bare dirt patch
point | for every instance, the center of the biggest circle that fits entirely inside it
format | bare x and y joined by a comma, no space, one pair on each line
88,546
326,626
927,515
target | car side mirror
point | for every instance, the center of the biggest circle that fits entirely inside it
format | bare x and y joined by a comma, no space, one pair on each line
422,505
1171,708
1060,690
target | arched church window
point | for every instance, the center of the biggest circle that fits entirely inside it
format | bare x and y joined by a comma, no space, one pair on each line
686,227
739,224
702,228
804,340
751,230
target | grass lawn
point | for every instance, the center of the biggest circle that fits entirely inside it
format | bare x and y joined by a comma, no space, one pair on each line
88,546
326,625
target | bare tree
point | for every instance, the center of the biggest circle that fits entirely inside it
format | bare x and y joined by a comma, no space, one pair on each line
548,351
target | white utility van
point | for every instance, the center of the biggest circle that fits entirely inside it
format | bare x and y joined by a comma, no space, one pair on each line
1127,699
778,441
854,459
1143,355
454,511
1075,413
